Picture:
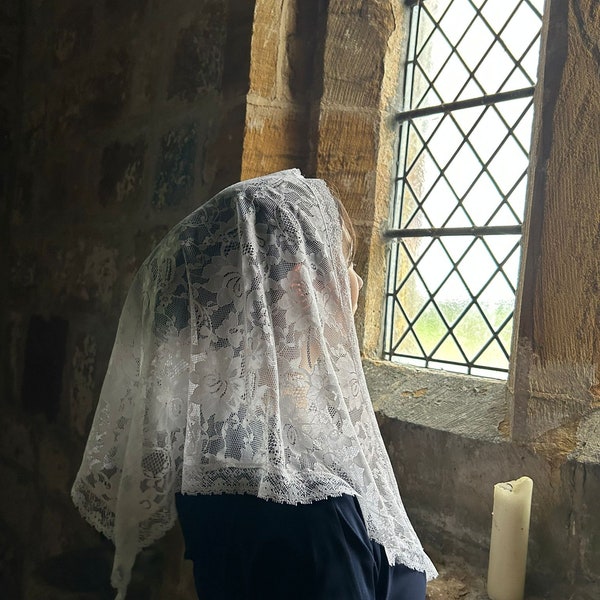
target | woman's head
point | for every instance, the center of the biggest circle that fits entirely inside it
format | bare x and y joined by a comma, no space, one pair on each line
348,231
349,250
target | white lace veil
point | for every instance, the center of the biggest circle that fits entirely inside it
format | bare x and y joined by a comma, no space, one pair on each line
236,369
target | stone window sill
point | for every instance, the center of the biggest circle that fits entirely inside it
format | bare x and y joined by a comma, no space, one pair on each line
470,407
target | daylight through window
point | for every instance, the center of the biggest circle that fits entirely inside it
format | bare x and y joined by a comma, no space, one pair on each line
460,188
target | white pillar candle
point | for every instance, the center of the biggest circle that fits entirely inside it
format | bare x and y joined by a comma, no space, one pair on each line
508,543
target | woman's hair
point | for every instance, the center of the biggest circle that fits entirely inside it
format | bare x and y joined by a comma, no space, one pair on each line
348,231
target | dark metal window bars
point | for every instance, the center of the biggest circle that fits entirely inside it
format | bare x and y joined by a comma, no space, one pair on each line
459,196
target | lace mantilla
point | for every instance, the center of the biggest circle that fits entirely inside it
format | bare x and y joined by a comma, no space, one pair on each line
236,369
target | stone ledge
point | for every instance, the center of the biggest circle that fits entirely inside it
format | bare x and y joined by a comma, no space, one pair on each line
467,406
471,407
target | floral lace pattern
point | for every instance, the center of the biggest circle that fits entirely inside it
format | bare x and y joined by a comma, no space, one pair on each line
236,369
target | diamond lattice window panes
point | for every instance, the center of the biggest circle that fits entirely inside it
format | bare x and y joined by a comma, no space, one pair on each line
460,188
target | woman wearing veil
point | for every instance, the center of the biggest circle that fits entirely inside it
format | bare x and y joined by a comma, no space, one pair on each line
235,396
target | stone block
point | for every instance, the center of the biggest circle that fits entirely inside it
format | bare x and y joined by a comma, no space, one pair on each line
54,535
146,87
15,339
354,56
236,58
122,169
82,574
83,391
23,272
589,524
145,241
109,89
9,11
100,272
80,272
275,139
266,49
22,206
302,44
45,351
132,9
17,442
223,162
39,28
35,117
10,565
175,169
198,56
93,99
73,34
59,194
20,505
55,463
347,157
345,7
9,46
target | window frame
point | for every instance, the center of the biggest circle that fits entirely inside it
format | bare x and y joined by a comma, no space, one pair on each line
399,234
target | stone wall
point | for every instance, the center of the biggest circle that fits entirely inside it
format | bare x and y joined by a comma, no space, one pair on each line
285,83
10,45
445,434
122,118
131,115
554,379
118,118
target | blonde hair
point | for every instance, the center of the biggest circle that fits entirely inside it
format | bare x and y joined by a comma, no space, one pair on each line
348,231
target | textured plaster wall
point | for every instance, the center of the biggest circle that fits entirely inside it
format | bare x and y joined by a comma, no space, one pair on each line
117,119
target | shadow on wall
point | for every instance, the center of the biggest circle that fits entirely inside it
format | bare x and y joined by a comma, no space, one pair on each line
85,575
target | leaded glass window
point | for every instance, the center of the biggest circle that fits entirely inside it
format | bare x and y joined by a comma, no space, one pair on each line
458,206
